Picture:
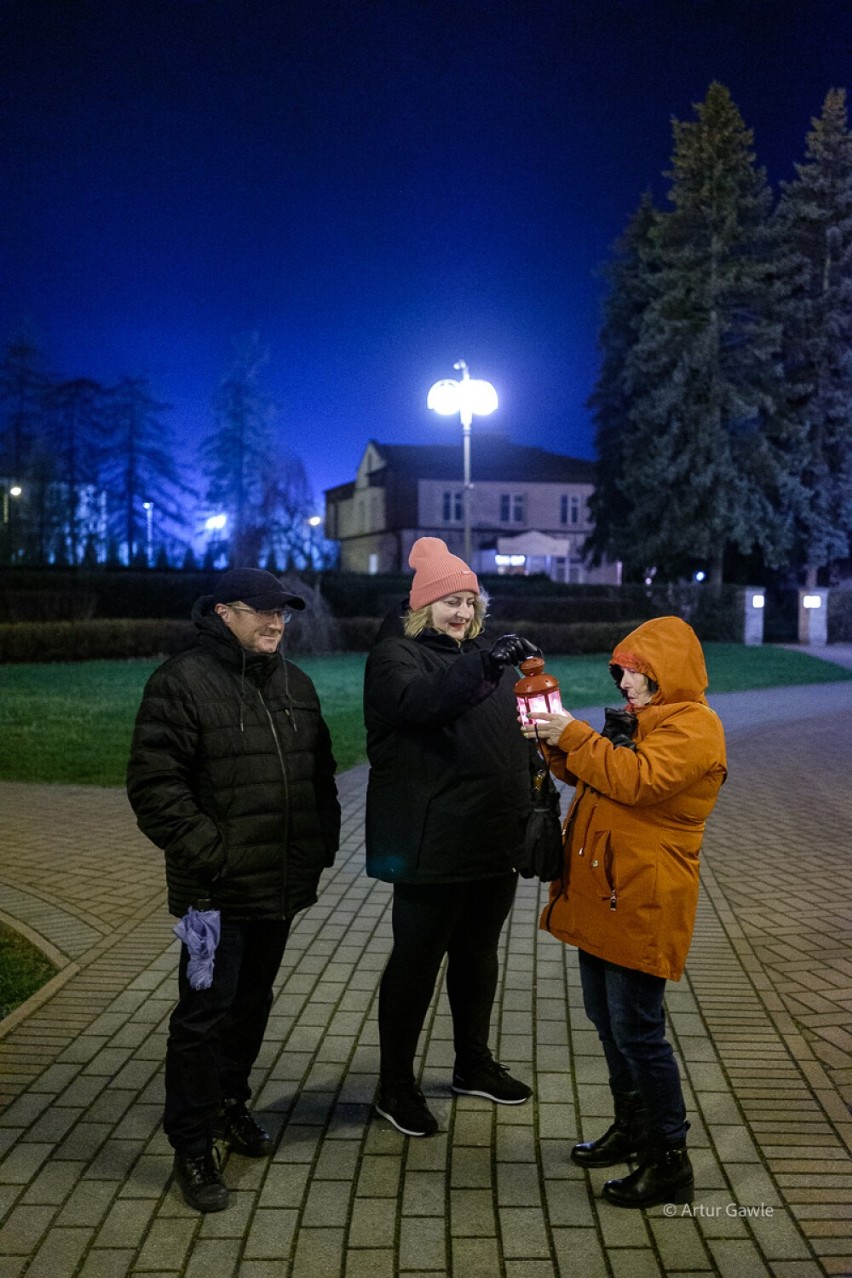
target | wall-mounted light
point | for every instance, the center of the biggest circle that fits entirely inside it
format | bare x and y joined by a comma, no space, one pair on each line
812,601
758,601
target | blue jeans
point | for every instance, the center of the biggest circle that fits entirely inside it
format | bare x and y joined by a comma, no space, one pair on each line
626,1008
215,1035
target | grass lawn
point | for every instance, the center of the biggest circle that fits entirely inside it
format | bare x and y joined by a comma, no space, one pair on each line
72,722
23,970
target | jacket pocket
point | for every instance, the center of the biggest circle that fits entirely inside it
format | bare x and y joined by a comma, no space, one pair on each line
604,866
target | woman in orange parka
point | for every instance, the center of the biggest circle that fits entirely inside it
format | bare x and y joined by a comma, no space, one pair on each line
629,889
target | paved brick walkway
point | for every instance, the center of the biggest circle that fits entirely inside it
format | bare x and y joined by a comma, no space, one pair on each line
761,1024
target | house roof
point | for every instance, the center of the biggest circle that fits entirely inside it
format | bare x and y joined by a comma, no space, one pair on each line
493,457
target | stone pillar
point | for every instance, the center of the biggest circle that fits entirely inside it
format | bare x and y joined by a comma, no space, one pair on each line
753,607
813,617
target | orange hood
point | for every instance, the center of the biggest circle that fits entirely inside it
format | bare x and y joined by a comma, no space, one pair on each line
666,650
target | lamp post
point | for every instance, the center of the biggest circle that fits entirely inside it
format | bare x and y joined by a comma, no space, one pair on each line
470,398
313,522
148,507
8,520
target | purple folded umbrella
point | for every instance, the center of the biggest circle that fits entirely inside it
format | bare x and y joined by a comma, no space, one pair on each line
199,930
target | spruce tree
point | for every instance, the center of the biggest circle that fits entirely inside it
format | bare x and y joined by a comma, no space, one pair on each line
76,433
235,458
139,468
629,292
704,458
814,220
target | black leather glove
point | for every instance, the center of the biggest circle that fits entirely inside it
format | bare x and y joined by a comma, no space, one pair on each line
510,650
619,727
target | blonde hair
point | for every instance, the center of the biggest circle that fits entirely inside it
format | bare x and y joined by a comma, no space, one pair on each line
417,620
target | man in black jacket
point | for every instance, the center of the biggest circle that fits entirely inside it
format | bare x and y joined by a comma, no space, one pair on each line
231,773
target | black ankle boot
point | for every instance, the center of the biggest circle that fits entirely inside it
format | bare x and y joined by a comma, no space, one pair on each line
663,1176
201,1181
624,1141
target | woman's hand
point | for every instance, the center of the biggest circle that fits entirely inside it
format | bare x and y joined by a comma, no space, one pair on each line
547,727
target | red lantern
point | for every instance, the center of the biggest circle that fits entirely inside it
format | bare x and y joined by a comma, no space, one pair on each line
537,691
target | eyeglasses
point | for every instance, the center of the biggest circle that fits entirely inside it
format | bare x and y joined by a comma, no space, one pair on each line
264,614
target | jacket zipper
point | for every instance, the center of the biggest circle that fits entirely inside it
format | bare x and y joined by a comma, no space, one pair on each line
286,781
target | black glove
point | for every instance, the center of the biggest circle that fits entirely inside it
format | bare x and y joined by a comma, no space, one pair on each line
510,650
619,727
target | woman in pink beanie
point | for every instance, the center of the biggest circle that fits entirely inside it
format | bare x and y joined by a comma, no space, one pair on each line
447,803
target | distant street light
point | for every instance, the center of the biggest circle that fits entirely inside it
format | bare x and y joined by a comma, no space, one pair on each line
148,507
13,490
470,398
313,522
213,526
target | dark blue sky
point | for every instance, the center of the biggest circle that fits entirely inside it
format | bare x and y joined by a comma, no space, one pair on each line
377,187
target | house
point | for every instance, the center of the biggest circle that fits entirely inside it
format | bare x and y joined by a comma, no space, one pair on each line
529,509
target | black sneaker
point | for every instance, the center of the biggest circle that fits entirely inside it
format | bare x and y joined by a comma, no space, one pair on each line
236,1126
201,1181
404,1105
491,1080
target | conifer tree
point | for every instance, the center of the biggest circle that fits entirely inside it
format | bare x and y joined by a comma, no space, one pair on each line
628,277
814,220
236,456
76,434
705,457
26,464
140,468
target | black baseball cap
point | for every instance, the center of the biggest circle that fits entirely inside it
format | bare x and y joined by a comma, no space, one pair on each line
256,587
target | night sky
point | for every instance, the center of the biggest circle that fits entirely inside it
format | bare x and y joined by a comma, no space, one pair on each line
377,187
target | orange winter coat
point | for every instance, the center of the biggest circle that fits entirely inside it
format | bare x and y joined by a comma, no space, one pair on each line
629,889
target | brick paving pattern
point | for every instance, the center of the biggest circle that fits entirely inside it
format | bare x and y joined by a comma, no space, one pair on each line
761,1025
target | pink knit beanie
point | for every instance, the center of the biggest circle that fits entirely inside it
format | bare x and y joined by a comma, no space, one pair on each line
437,572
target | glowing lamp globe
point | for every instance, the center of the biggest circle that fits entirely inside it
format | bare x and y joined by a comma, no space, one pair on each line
469,397
537,691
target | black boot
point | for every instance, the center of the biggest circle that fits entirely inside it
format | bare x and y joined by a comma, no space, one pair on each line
663,1176
624,1141
201,1181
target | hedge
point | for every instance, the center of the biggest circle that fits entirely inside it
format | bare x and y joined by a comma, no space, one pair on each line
127,638
104,639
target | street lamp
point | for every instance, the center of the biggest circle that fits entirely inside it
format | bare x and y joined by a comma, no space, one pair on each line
148,507
468,397
313,522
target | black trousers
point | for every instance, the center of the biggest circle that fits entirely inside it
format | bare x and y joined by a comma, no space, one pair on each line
463,921
215,1035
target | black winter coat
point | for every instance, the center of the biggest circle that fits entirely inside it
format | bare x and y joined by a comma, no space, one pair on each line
449,788
231,774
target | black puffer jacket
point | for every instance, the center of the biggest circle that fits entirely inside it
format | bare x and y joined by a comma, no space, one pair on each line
449,788
231,774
